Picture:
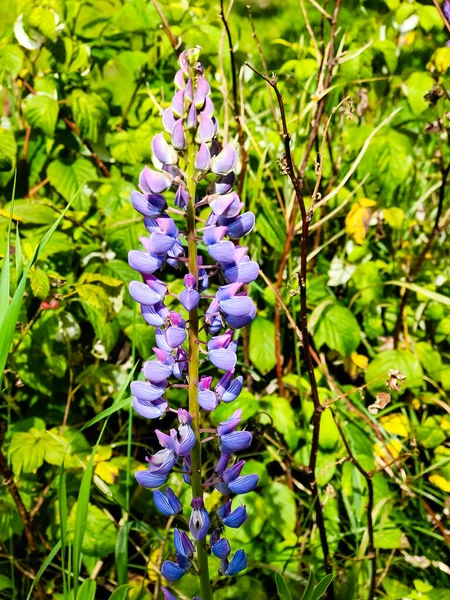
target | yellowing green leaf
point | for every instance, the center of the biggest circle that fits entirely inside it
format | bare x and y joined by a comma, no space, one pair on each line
40,283
396,424
41,111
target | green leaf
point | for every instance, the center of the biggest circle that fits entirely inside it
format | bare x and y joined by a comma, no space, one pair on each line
87,590
89,112
41,111
282,588
417,85
11,60
31,212
67,177
322,587
338,329
27,451
121,593
262,345
8,149
40,283
406,362
121,553
309,587
5,583
281,509
423,291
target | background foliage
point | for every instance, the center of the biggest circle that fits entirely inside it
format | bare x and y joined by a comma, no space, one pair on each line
82,86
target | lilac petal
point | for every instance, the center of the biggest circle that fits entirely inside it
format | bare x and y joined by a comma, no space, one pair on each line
199,521
245,272
160,243
213,235
223,359
238,563
225,183
205,382
168,120
184,440
215,127
225,161
189,281
151,480
181,365
203,90
150,410
167,226
155,315
203,158
239,306
161,342
155,284
238,322
206,129
162,462
207,400
235,441
225,292
175,336
164,356
162,151
171,571
223,252
241,226
215,325
233,390
157,372
166,504
220,204
236,518
189,91
221,549
220,341
208,107
150,206
222,464
184,417
181,196
179,80
143,262
146,391
230,424
164,439
189,298
243,484
178,137
224,383
167,595
152,227
233,472
178,104
140,292
192,119
183,544
152,182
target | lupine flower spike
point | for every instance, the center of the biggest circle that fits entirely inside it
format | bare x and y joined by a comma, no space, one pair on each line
187,154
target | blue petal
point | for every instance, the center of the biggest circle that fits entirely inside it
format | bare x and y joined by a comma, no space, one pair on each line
236,518
151,480
238,563
140,292
171,571
221,549
149,409
157,372
143,262
235,441
245,272
223,359
164,505
147,391
243,484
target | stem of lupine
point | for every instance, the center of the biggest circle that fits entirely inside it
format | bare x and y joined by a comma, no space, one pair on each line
196,453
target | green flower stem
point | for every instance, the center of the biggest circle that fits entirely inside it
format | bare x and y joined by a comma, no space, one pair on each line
196,453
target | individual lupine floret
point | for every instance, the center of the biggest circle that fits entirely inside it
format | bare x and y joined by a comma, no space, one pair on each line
189,297
159,467
237,564
231,518
207,399
227,388
183,544
199,521
220,547
173,571
167,503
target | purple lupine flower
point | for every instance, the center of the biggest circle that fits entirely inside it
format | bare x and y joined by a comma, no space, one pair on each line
167,504
199,521
190,130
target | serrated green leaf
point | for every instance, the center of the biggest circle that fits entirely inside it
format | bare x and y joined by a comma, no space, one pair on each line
262,344
67,177
89,112
338,329
40,283
11,59
41,111
44,20
27,451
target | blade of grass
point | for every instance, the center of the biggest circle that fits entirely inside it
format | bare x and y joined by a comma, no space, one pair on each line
82,512
87,590
63,516
45,564
121,593
19,255
5,275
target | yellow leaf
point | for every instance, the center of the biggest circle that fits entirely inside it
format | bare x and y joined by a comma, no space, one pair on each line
396,424
360,360
357,222
388,452
154,560
394,217
441,482
440,60
366,202
107,471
